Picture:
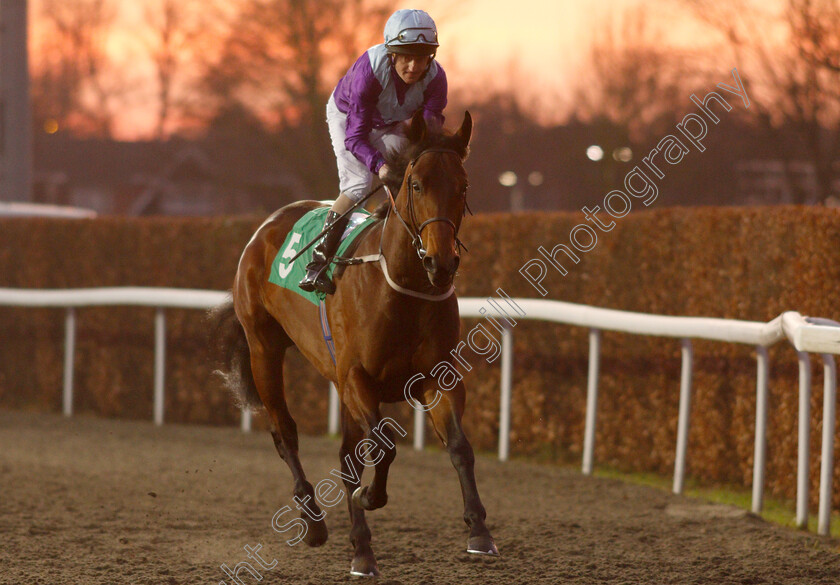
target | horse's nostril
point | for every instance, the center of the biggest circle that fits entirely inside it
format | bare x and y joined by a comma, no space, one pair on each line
455,263
429,263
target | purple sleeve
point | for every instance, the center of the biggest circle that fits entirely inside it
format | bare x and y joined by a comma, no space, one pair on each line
434,98
363,95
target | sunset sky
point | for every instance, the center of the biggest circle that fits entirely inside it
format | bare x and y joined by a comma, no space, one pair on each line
539,46
546,42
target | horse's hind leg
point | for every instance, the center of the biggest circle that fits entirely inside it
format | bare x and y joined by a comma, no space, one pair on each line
446,417
268,343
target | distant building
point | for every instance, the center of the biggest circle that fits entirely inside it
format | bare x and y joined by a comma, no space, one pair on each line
774,181
178,177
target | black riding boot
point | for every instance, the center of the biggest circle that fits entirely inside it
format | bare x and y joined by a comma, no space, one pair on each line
316,271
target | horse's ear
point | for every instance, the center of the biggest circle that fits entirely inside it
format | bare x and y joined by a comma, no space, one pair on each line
465,131
417,130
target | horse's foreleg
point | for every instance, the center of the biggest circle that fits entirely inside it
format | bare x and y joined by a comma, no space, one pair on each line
446,418
364,561
378,445
267,368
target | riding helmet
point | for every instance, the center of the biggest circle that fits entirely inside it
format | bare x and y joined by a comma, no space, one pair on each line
411,32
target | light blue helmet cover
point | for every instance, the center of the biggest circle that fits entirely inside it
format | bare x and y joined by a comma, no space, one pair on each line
411,31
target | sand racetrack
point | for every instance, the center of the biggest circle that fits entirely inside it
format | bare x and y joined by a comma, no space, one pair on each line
89,501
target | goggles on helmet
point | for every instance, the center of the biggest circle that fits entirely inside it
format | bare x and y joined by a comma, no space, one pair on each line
416,35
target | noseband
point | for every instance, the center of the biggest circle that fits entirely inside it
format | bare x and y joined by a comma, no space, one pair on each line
416,232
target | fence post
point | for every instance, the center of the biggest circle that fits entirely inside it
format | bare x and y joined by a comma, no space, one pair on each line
507,390
804,454
827,463
684,417
160,361
245,421
69,356
419,429
760,453
591,400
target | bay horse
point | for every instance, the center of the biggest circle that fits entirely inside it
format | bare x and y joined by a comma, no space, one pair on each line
383,334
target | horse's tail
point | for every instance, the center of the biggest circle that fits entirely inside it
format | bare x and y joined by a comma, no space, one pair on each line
233,355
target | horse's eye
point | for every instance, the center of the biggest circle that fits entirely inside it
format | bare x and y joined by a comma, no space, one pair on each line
415,186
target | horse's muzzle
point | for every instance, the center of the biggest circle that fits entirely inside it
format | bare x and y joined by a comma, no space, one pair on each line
441,273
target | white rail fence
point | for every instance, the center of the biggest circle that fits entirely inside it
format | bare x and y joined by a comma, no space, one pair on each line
807,335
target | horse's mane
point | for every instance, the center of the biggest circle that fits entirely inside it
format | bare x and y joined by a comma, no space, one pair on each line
398,162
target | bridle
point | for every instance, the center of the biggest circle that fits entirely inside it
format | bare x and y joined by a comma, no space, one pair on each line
414,231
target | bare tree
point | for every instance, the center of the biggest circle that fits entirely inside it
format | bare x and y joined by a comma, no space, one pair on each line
293,51
165,19
280,60
631,79
793,57
73,81
815,25
179,34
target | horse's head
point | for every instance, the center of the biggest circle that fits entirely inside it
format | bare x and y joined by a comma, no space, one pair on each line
433,193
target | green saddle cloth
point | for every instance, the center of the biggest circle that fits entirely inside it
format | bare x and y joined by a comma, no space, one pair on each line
304,231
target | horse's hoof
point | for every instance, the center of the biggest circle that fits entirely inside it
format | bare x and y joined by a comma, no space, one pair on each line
361,498
316,532
364,567
482,545
358,493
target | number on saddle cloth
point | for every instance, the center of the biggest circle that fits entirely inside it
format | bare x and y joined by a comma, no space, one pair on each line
288,275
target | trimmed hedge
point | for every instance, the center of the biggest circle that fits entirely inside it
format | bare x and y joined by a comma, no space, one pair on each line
740,263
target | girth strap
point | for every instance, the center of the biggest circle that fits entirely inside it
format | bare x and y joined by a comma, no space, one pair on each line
325,329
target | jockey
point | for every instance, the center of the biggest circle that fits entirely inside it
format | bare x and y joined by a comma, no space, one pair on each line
365,115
